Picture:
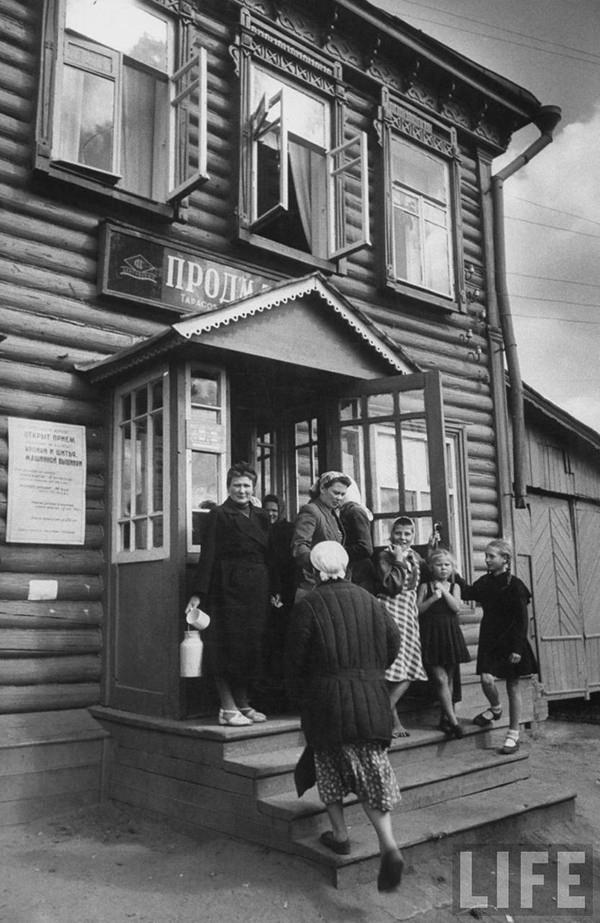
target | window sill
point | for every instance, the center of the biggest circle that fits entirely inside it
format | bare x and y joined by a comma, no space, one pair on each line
290,253
69,177
422,296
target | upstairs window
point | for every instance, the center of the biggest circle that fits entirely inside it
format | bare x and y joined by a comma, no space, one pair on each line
118,107
422,214
303,178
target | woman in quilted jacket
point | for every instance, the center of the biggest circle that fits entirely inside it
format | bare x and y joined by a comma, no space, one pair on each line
339,644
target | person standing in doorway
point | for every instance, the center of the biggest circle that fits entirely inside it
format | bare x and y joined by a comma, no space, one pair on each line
233,584
504,651
356,522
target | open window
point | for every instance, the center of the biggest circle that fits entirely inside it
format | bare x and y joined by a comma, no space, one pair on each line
303,188
422,213
122,99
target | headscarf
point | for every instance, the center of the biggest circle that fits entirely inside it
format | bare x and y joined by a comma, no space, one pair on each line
326,479
353,495
330,559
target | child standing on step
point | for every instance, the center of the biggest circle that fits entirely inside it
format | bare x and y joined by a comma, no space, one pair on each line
504,650
398,570
442,643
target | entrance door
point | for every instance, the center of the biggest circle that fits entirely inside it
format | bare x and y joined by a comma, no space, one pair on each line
389,435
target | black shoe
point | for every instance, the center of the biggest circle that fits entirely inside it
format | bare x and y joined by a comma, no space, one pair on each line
390,870
341,847
457,731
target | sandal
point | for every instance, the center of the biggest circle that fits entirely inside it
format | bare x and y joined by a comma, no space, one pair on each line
486,717
510,746
233,718
255,716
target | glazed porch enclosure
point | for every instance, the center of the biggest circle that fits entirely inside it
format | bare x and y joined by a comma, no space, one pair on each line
294,380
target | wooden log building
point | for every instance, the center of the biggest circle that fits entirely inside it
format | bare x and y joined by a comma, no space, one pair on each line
232,229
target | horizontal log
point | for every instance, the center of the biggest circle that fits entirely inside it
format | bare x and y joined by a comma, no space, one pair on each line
81,587
65,333
28,253
27,293
27,227
48,697
18,82
18,402
30,559
47,640
15,613
14,104
36,670
47,210
47,381
48,355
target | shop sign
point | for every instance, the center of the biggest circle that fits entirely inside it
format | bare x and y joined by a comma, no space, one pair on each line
150,270
46,482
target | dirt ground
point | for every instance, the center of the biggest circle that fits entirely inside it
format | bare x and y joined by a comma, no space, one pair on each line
110,864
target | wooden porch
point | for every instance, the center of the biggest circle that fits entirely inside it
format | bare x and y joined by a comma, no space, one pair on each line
239,781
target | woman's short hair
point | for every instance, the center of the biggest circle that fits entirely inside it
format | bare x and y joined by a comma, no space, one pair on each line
241,469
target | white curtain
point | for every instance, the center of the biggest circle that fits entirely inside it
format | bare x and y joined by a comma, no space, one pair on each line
301,175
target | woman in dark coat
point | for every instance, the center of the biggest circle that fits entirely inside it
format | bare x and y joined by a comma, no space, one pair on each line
339,643
356,522
233,585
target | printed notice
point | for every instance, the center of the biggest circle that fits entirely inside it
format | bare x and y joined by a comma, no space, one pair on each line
46,482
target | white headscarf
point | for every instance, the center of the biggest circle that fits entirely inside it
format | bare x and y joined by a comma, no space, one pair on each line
330,559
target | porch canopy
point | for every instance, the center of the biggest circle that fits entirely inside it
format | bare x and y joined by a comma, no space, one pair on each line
302,322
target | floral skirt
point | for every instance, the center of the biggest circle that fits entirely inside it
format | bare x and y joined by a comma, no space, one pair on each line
363,769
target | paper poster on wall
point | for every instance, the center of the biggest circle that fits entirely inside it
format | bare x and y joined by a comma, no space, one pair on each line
46,482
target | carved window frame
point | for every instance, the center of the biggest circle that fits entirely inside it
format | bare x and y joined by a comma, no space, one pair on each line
397,119
187,82
260,45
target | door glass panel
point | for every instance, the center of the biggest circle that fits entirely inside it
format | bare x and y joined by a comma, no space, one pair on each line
350,410
205,490
141,468
384,467
417,494
380,405
353,454
412,401
157,532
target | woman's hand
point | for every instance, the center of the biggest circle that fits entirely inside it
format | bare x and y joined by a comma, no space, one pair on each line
193,603
514,658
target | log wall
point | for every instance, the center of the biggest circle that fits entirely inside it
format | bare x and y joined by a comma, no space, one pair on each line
53,319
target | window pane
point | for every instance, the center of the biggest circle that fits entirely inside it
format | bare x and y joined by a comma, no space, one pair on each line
416,168
141,401
437,264
407,247
157,462
122,25
350,410
157,394
205,479
157,532
143,98
353,453
307,114
412,401
125,505
380,405
205,390
87,134
384,467
416,469
141,534
141,467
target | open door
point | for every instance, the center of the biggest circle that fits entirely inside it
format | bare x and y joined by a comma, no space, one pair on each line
389,435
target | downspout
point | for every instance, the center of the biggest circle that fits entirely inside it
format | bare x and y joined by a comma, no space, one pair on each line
546,120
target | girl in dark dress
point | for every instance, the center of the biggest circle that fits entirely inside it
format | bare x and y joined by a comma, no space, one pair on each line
442,643
233,586
504,650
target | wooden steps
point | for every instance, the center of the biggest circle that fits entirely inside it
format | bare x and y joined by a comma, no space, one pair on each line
240,781
50,762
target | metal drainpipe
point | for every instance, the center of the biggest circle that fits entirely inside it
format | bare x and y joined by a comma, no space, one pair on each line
546,120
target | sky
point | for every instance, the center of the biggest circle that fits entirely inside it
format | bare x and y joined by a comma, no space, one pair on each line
552,206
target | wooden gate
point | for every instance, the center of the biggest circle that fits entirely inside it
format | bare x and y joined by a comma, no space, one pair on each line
566,588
